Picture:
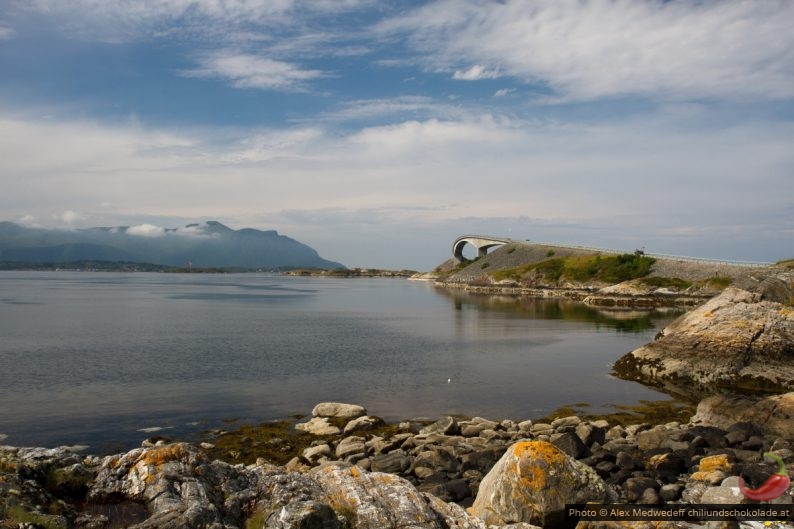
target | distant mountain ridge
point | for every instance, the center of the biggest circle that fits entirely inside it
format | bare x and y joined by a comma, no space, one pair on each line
209,244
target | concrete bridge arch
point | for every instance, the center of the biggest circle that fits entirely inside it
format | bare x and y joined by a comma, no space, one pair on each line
480,242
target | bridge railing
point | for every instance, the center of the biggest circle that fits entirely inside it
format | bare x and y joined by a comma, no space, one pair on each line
656,255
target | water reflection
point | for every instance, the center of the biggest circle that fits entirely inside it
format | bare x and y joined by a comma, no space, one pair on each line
620,320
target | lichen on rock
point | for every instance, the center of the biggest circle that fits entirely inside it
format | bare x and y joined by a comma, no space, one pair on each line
532,482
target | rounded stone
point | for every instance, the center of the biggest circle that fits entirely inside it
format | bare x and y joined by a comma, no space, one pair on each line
339,410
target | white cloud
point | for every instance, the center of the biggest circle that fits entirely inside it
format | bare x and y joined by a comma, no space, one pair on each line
28,220
592,49
146,230
403,106
68,217
243,70
475,73
271,145
6,33
502,92
119,20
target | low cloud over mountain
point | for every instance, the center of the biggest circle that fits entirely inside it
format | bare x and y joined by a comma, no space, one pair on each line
208,244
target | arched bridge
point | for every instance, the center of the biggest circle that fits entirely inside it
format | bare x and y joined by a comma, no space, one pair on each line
480,242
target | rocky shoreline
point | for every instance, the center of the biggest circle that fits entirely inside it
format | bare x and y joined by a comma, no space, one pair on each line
453,473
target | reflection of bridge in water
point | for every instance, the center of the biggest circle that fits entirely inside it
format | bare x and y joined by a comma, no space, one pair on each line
484,242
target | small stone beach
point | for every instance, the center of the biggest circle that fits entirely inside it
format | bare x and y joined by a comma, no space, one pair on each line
452,473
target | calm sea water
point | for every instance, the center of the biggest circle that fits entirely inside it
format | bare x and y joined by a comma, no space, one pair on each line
105,358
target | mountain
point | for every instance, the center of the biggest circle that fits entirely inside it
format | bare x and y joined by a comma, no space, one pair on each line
209,244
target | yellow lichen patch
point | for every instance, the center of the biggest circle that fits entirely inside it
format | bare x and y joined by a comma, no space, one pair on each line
708,314
714,477
163,454
718,462
536,460
355,472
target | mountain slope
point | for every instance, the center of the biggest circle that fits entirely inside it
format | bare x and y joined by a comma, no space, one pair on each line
209,244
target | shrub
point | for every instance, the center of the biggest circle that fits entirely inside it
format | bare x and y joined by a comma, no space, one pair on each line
609,269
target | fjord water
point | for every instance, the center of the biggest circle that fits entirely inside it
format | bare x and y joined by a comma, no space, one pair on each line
104,358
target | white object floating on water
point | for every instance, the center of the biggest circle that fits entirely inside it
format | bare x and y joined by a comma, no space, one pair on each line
449,380
152,429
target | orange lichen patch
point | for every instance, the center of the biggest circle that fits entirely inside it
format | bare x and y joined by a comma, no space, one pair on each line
164,454
536,460
718,462
115,462
355,472
708,314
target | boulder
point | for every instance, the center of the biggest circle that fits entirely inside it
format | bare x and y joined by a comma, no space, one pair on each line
734,341
725,410
318,426
446,426
363,423
339,410
532,482
303,515
181,489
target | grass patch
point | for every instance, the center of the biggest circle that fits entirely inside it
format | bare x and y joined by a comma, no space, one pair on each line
609,269
511,250
257,520
786,263
666,282
717,282
550,253
485,265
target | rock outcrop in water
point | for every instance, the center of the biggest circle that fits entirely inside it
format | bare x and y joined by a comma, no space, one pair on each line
735,341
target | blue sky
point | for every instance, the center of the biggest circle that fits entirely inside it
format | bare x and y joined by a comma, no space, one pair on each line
378,131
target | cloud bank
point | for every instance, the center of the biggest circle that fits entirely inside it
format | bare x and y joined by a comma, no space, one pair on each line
585,50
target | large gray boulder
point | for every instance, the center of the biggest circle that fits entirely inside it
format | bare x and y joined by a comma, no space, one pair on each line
338,410
722,411
532,482
734,341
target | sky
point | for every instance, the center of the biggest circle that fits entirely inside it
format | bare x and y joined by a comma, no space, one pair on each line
379,131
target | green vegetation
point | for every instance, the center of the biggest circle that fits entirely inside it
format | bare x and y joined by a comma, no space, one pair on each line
511,250
550,253
276,442
257,520
485,265
666,282
18,516
653,412
609,269
786,263
716,282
